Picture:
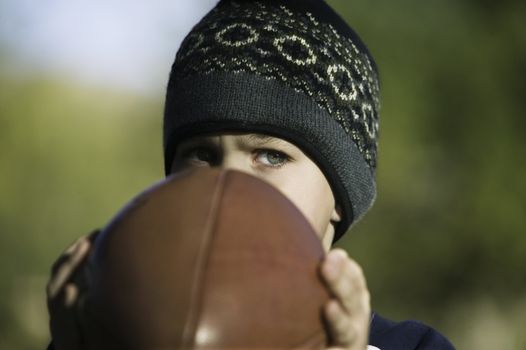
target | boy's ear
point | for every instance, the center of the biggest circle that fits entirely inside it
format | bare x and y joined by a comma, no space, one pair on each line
336,215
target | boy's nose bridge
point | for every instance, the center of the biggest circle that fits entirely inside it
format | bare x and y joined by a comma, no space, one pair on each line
236,161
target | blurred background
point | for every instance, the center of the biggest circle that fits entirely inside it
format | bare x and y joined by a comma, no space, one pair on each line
81,97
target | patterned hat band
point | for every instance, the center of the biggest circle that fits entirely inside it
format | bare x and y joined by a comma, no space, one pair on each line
295,71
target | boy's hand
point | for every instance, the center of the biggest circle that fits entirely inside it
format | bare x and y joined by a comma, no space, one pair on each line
348,313
62,294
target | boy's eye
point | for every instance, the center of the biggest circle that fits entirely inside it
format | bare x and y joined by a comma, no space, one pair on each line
200,154
272,158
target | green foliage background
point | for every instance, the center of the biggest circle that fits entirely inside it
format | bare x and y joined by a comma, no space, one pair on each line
445,241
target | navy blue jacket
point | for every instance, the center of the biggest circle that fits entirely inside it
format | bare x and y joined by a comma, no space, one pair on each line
406,335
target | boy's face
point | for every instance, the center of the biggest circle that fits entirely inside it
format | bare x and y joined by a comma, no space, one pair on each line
271,159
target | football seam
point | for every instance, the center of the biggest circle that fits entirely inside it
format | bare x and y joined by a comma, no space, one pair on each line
194,313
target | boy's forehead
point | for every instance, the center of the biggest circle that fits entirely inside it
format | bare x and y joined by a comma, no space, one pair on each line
249,138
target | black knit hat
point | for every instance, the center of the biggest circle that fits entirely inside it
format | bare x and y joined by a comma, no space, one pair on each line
291,69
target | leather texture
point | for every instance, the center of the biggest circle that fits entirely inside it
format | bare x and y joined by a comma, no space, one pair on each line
206,259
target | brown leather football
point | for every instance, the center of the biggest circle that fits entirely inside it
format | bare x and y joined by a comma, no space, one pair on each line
206,259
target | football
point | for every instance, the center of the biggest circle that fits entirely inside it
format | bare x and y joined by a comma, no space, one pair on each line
205,259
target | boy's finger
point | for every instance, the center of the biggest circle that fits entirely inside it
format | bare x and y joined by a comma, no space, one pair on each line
66,255
345,280
67,268
72,248
346,331
351,286
340,331
331,268
71,293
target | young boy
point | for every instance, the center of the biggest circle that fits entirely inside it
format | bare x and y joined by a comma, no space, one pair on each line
287,92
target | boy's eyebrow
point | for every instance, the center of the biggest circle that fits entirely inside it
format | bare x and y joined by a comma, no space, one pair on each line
191,142
264,139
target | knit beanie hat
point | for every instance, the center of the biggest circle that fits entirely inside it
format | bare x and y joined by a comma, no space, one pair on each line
292,69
